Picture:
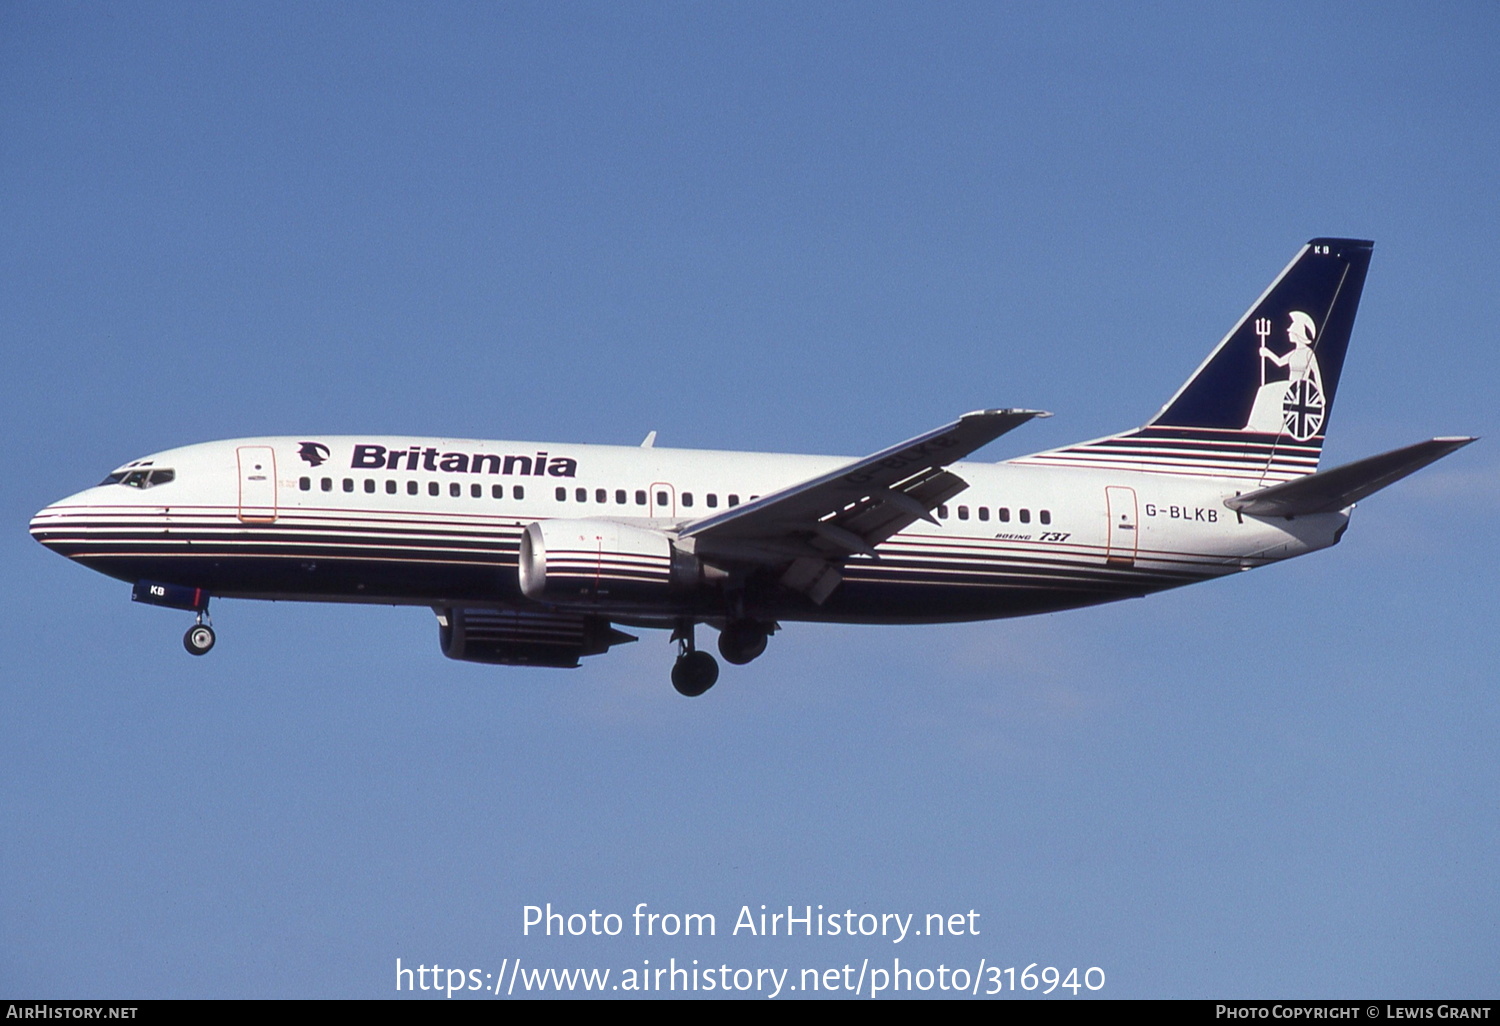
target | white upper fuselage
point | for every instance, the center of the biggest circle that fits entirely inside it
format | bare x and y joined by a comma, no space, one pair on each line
438,522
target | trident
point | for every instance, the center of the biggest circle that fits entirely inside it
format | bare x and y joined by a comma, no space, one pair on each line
1263,329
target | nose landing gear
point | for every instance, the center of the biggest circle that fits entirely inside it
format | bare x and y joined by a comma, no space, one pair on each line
199,637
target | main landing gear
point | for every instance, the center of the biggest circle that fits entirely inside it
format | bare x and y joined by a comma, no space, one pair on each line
694,672
200,637
741,641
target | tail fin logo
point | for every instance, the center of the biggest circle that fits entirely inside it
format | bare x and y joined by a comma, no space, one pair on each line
1293,404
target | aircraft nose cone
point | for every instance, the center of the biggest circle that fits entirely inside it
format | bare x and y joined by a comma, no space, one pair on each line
55,526
47,525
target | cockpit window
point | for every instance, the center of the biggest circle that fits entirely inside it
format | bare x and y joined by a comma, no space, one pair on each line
140,478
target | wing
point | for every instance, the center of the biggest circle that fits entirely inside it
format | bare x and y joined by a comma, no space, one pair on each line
812,527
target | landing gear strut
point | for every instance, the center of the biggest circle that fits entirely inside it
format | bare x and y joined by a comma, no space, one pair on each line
199,638
694,672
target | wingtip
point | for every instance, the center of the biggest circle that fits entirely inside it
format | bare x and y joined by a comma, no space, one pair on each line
1006,413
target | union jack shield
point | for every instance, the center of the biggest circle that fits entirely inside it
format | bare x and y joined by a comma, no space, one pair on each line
1302,409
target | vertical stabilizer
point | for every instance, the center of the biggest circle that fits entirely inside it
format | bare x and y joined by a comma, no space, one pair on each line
1258,407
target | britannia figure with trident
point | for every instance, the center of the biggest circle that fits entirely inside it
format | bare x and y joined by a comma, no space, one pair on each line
1294,404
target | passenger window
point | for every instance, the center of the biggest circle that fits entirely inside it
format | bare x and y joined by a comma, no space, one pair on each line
581,494
455,489
963,512
943,512
713,501
1025,516
620,497
476,491
518,492
348,484
734,500
305,483
640,497
661,498
562,494
370,484
984,512
411,488
432,488
1045,516
1004,514
390,486
327,484
498,491
687,498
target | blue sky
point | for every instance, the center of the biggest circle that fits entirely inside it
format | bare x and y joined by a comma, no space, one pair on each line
772,227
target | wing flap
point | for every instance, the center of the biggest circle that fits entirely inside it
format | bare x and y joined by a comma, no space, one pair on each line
1329,491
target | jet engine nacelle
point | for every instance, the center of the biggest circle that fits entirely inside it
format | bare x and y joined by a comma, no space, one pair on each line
524,637
593,562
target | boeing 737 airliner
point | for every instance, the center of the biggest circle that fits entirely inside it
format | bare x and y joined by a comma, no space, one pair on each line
533,553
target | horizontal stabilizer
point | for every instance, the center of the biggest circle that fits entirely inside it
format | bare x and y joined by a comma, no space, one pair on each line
1329,491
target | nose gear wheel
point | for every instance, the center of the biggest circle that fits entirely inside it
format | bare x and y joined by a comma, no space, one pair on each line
199,639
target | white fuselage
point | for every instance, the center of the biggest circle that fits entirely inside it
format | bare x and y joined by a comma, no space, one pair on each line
439,521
